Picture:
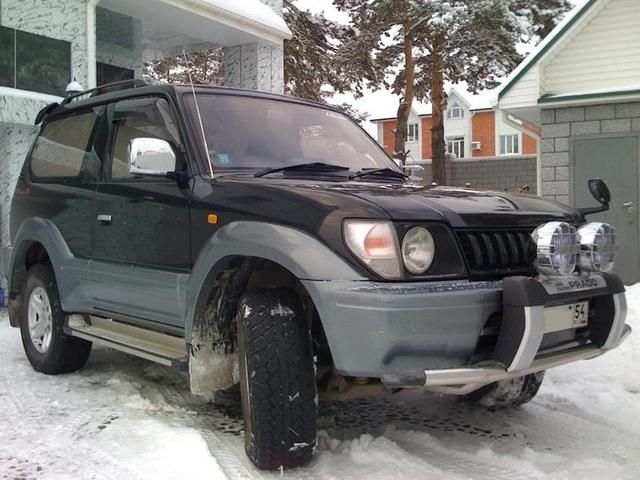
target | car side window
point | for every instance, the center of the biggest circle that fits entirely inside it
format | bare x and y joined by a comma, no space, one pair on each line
64,149
139,118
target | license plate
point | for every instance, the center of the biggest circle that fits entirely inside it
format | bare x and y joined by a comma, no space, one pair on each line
565,317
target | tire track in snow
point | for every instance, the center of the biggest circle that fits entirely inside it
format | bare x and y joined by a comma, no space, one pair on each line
46,430
228,448
451,460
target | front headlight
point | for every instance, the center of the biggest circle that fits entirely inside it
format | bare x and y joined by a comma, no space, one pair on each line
557,248
376,244
418,250
598,247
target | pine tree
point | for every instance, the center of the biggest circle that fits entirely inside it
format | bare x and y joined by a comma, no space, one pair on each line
313,66
205,67
541,15
417,46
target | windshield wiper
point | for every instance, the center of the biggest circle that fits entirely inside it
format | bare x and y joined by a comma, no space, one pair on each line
382,172
311,167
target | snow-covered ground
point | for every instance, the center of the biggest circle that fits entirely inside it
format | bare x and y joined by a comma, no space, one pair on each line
124,418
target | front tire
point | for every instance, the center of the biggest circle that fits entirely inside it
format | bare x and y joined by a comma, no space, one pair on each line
47,347
277,379
507,393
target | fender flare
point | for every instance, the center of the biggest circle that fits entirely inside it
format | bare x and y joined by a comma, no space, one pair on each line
300,253
45,232
72,286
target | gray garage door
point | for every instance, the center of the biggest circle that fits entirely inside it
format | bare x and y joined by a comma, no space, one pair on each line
615,160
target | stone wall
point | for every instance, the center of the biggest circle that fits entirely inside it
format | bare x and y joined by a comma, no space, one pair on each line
60,19
503,173
561,125
17,106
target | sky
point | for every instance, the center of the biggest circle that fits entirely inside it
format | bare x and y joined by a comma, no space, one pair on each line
378,104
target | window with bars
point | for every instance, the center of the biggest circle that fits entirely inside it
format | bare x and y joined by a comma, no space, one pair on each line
455,146
509,144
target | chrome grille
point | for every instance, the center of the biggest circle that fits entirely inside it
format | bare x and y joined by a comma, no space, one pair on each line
498,253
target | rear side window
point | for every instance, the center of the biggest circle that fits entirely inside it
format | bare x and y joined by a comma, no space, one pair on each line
63,149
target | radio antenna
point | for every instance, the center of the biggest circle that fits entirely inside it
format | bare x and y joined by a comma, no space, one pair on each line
195,101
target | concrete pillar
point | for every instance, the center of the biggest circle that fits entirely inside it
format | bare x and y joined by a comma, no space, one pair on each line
256,66
112,27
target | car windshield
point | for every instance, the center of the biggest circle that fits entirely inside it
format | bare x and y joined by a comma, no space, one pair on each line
258,133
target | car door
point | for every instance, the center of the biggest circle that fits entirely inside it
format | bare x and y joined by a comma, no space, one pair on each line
141,231
61,176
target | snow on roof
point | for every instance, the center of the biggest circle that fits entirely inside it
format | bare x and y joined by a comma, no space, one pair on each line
541,48
253,10
479,101
475,101
41,97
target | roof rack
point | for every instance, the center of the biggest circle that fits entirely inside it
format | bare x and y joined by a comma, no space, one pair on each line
107,88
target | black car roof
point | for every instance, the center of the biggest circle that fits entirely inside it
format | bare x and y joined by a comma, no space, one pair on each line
163,89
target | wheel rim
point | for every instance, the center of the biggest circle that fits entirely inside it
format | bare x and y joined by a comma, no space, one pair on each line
40,319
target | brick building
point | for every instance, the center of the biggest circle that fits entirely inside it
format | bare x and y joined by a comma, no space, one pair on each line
473,129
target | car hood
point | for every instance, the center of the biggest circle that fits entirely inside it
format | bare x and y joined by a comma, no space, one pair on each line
459,207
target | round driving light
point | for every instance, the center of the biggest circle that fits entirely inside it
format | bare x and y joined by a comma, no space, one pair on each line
598,247
557,248
418,250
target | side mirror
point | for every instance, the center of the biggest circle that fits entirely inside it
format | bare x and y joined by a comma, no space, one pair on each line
599,190
151,157
601,193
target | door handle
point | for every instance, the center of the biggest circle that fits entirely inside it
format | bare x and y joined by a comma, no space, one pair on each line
630,210
104,219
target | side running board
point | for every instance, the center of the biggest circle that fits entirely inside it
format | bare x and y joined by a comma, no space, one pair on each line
157,347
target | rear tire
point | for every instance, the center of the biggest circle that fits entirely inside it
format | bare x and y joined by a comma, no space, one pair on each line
507,393
277,379
47,347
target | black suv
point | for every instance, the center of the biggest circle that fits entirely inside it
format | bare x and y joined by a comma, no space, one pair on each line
269,242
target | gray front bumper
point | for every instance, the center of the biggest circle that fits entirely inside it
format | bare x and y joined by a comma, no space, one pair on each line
460,381
425,334
376,328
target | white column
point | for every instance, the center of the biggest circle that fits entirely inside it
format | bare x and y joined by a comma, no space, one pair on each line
256,66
